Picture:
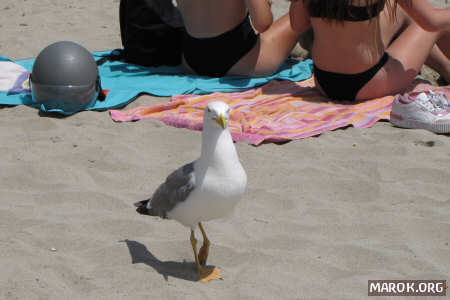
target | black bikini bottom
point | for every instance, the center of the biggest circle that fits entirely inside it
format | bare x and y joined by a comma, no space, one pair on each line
216,55
339,86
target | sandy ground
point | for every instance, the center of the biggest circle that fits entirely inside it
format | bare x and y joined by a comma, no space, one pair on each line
321,216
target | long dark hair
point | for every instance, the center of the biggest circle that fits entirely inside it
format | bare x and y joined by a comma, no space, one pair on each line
339,10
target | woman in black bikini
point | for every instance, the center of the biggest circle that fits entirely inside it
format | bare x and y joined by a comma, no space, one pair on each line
221,40
372,48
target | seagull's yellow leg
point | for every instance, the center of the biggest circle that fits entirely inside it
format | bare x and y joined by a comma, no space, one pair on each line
204,250
205,274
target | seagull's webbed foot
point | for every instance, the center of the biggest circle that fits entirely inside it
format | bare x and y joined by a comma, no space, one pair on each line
205,274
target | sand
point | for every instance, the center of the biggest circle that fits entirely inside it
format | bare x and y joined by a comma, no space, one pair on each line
321,216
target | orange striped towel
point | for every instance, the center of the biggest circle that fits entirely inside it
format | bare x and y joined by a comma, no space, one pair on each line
276,112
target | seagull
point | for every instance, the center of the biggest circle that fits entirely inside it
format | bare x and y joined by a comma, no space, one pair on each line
205,189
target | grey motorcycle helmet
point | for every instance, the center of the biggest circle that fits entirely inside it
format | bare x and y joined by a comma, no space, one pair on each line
65,78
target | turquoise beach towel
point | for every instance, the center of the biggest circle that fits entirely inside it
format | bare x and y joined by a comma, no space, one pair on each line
126,81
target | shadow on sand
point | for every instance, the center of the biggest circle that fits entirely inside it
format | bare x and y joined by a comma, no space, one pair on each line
140,254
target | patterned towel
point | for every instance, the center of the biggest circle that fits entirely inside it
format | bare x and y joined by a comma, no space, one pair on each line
276,112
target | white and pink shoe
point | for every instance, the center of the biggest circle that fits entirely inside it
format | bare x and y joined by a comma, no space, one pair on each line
440,99
430,112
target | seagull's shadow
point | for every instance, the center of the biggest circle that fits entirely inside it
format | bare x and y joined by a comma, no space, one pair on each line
140,254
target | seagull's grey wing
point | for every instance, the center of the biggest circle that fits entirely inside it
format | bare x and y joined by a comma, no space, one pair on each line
174,190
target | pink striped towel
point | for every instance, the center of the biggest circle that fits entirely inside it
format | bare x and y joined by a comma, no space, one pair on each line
276,112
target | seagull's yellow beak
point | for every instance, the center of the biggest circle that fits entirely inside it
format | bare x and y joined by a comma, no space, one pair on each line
221,121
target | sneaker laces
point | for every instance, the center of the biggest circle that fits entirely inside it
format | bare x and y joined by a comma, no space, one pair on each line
440,99
434,103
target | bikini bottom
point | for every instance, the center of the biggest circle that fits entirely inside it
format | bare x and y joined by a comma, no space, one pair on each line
215,56
339,86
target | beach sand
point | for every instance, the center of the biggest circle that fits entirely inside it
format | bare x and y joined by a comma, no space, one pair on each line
321,216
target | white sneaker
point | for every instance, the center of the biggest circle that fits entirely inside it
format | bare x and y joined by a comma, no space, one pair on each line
440,99
420,112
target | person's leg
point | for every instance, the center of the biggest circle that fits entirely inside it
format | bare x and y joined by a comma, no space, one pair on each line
408,53
440,62
272,48
306,41
442,49
444,44
438,58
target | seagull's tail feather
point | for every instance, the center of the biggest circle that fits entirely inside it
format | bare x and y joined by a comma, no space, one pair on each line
143,209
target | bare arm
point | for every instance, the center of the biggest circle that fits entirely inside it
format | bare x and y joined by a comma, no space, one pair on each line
300,20
429,17
260,14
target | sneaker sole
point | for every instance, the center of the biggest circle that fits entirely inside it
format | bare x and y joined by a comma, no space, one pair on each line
413,124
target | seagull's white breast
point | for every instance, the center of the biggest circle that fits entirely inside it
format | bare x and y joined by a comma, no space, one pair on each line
215,196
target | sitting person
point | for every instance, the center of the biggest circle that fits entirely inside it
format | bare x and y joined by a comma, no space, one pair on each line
220,37
372,48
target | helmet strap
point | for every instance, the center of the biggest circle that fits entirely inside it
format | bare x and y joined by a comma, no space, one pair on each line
101,94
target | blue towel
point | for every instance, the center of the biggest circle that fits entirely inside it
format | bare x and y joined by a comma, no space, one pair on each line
126,81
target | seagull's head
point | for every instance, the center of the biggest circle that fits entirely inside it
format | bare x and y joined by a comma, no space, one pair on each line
217,114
